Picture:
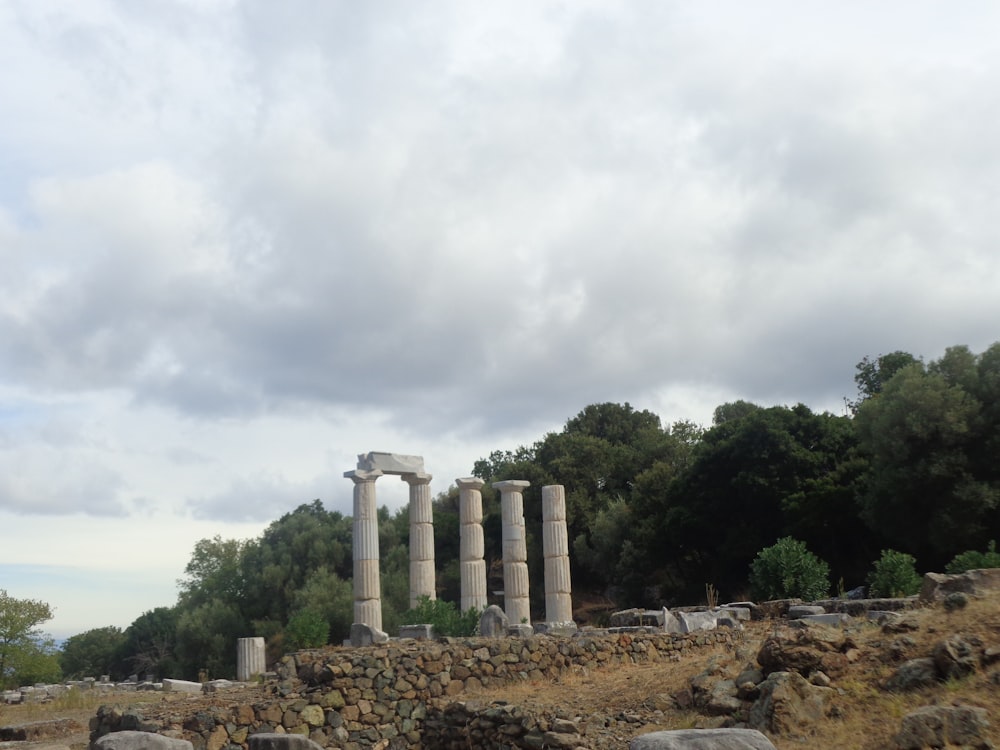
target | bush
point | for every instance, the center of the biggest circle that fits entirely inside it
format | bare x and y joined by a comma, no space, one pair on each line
972,560
307,628
894,575
787,569
445,618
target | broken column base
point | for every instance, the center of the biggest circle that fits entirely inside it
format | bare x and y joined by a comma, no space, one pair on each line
520,631
555,628
422,632
365,635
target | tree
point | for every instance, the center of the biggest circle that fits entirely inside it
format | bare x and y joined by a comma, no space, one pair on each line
213,572
788,569
21,642
150,644
873,374
92,653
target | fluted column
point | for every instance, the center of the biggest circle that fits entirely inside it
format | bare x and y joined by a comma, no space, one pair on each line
516,604
555,545
472,546
367,586
421,538
249,658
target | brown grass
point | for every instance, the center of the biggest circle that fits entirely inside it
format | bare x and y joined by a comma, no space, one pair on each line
868,716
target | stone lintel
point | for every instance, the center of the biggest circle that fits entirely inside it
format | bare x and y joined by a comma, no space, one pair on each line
470,483
515,485
360,476
391,463
415,479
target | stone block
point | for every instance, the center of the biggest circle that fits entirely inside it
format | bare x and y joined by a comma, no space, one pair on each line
366,635
275,741
391,463
424,631
132,740
834,619
801,610
493,623
181,686
702,739
521,630
693,621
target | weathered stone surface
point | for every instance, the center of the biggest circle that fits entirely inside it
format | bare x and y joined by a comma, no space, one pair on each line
808,651
635,617
130,740
912,675
833,619
493,623
390,463
937,586
274,741
692,621
954,658
424,631
776,608
801,610
181,686
250,658
702,739
944,726
366,635
788,704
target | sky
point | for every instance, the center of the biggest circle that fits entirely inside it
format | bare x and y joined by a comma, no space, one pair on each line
243,241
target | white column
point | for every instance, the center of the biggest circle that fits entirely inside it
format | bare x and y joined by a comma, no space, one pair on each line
421,538
516,604
555,545
367,586
249,658
472,546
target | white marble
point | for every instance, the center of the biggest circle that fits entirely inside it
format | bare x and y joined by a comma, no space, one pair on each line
517,605
367,589
555,546
472,546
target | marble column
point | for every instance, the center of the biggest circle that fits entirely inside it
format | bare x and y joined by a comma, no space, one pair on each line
367,586
249,658
555,545
516,604
472,546
421,538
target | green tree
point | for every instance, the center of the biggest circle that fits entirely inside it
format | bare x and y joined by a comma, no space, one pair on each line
92,653
307,628
873,374
788,569
21,642
894,574
215,571
150,644
206,638
974,559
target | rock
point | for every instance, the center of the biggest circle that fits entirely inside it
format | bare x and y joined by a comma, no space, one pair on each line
632,618
943,726
274,741
788,704
694,621
801,610
493,622
776,608
954,658
181,686
131,740
954,601
855,593
366,635
937,586
214,686
808,651
702,739
422,632
912,675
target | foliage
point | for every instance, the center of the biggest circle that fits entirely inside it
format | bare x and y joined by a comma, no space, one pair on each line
894,574
150,644
307,628
974,560
445,617
206,637
330,596
92,653
788,569
24,650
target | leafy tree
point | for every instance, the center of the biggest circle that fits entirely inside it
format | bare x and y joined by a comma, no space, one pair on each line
873,374
92,653
974,560
788,569
21,642
150,644
307,628
894,574
206,638
734,410
329,595
931,486
214,572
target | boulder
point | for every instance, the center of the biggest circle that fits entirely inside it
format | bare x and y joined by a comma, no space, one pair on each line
937,586
944,726
275,741
366,635
132,740
694,621
181,686
493,622
702,739
788,704
954,658
811,649
801,610
913,675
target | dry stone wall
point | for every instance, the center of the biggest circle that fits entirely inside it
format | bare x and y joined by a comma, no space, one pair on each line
388,696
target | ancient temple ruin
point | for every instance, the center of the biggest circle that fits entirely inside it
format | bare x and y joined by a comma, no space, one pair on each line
367,584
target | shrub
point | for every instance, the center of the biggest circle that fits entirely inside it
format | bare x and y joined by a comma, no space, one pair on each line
445,617
894,575
972,560
787,569
307,628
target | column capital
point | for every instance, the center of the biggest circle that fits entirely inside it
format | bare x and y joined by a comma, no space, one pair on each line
416,479
360,477
511,485
470,483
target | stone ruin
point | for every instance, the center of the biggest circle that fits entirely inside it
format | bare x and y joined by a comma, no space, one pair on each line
367,626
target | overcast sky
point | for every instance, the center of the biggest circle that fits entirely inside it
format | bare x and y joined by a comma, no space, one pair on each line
242,241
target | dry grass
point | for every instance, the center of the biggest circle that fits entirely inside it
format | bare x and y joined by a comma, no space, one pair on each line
867,715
